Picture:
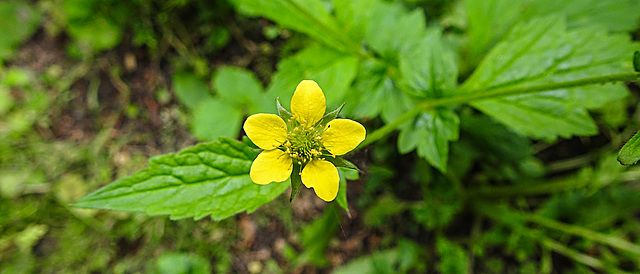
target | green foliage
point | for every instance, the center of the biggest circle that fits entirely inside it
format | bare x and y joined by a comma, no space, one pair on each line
430,134
332,70
180,263
401,259
18,21
490,20
541,52
452,257
315,238
483,173
630,152
238,93
92,33
206,180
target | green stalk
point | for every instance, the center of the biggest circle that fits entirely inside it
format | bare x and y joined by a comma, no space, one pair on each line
464,97
570,253
499,215
583,232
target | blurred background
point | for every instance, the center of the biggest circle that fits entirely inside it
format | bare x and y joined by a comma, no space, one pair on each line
90,90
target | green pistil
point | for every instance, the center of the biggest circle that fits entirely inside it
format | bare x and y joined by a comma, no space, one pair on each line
304,143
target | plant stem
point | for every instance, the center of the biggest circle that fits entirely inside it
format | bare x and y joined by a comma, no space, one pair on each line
492,93
499,215
583,232
568,252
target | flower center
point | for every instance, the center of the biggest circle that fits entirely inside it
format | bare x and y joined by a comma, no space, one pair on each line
303,143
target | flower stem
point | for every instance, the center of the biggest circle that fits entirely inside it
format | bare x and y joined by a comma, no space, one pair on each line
464,96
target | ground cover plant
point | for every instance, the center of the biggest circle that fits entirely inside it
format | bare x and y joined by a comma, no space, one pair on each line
431,136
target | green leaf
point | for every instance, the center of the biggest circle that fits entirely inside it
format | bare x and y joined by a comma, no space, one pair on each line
630,152
296,181
332,70
495,140
636,61
190,89
345,174
440,202
614,15
592,210
239,87
182,263
490,20
213,118
453,258
307,16
341,162
375,94
430,134
429,69
394,30
385,207
18,21
354,16
282,112
207,179
331,115
544,52
379,260
405,258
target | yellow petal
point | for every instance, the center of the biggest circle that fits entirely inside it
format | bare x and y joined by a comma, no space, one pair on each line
308,103
271,166
323,177
267,131
342,135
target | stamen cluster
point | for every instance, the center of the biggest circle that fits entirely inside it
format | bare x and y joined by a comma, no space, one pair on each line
303,143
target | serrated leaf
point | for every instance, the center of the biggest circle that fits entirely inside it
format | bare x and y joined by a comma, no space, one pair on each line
375,94
332,70
394,29
18,21
630,152
240,88
430,133
214,118
429,69
490,20
307,16
207,179
190,89
541,52
354,16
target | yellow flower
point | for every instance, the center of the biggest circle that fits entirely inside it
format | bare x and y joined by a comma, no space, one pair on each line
303,141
